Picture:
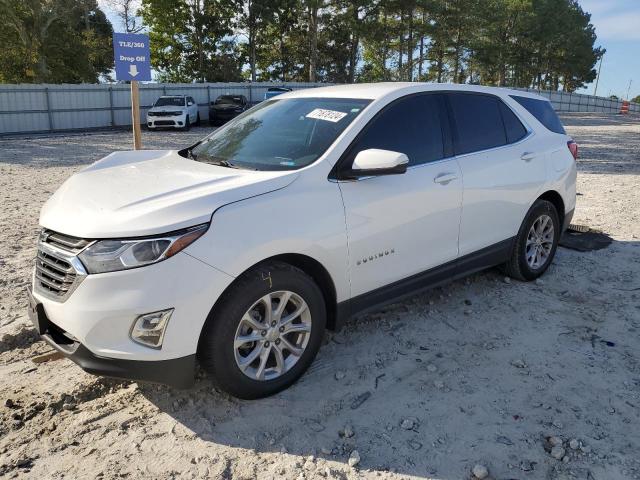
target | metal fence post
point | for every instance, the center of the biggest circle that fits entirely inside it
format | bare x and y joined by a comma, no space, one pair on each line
208,101
250,93
113,123
49,112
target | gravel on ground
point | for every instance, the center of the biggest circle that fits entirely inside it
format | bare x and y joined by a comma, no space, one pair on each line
482,378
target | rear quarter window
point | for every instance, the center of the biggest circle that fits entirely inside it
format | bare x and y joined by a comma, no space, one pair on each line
512,125
478,122
543,112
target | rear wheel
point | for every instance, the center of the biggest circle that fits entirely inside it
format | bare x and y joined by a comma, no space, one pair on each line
536,243
265,332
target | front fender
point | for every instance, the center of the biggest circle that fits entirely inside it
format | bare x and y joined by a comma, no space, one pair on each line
305,218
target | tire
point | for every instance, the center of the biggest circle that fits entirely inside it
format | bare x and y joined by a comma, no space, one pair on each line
198,119
520,264
187,124
230,321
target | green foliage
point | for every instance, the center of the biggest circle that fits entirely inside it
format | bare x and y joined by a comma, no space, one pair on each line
525,43
55,41
547,44
636,99
189,39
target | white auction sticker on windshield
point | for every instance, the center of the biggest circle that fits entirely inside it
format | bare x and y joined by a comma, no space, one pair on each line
328,115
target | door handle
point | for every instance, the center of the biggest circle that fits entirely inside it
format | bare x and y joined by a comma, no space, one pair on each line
445,178
528,156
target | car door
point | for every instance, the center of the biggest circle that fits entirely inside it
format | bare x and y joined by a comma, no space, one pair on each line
503,168
401,225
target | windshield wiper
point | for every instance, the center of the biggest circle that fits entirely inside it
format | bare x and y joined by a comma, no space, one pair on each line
221,162
188,152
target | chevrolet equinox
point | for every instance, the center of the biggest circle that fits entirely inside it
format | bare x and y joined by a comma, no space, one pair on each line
239,251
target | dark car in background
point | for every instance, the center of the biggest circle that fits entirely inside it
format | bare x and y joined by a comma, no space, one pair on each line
227,107
275,91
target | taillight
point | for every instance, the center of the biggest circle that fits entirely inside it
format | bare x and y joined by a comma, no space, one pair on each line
573,148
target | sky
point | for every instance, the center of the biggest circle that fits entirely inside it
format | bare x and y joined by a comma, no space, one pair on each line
617,24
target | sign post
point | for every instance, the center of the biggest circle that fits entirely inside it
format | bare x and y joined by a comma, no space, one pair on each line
135,115
133,63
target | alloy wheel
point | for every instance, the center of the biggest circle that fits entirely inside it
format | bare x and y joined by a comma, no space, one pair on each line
272,335
539,242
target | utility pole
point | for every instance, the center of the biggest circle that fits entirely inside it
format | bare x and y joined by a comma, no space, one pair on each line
629,88
595,90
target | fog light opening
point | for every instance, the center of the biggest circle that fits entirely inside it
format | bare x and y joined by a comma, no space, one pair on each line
148,329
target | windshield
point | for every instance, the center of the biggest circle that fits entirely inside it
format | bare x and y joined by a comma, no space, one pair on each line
170,101
228,100
280,134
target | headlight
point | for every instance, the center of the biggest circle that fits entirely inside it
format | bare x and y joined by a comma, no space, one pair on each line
112,255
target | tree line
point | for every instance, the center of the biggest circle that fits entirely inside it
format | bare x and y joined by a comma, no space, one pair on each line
548,44
54,41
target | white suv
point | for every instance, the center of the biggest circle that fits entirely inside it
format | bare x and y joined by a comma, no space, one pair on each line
173,111
239,251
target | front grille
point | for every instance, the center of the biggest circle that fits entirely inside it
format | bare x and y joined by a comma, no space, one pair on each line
164,114
65,242
58,270
164,122
54,275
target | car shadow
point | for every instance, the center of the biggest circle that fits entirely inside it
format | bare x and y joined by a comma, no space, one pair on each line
479,371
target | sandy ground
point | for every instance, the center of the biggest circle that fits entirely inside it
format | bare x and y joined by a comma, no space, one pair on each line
483,371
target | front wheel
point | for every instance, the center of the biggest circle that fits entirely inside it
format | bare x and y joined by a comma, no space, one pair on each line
265,331
535,245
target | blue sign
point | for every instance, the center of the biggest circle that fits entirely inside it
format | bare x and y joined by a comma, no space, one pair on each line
131,55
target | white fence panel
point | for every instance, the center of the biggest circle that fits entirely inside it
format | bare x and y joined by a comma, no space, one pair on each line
42,108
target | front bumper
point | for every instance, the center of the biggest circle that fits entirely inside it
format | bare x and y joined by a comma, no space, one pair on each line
176,372
222,115
102,309
166,121
92,326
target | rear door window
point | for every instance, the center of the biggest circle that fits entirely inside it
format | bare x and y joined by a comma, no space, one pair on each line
543,111
411,125
478,122
512,125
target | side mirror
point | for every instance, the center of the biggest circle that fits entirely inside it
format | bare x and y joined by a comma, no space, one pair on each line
374,162
189,104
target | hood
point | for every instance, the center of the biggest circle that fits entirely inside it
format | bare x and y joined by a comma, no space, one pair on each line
138,193
225,106
167,108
